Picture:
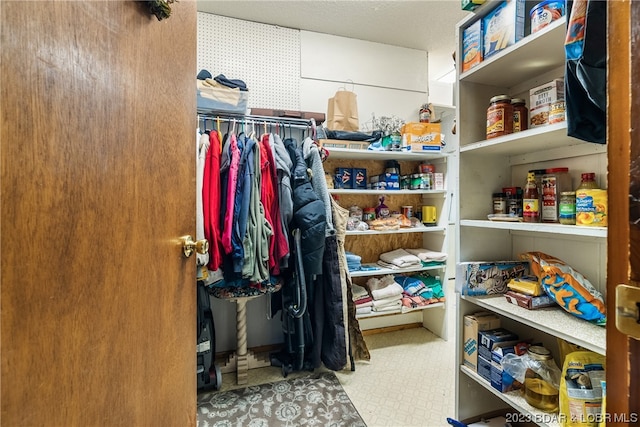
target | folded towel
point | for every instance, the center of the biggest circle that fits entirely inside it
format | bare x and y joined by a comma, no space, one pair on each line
391,290
365,303
358,291
363,310
389,307
411,285
375,283
362,300
427,255
386,301
400,257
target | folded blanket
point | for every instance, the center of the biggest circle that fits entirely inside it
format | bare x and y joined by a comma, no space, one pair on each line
411,285
389,307
358,291
386,301
401,258
363,310
427,255
391,290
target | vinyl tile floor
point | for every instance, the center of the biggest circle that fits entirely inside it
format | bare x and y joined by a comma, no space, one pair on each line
409,381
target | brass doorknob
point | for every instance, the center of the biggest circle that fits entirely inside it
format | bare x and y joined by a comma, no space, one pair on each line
189,245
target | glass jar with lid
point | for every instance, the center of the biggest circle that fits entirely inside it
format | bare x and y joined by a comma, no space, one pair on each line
539,378
520,114
499,116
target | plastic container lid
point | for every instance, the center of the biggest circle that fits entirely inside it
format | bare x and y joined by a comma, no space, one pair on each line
518,101
539,353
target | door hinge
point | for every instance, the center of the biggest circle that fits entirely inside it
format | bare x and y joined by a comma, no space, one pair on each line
628,310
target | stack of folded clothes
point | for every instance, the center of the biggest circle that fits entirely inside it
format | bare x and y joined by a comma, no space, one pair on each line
362,299
416,293
353,261
386,294
399,258
429,256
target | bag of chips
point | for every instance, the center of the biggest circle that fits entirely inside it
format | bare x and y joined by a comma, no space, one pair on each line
571,290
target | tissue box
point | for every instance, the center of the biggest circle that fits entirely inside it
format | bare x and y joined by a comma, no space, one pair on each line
473,324
488,278
359,176
503,27
472,45
344,178
422,136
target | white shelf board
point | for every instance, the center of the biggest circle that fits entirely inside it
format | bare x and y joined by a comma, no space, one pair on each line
403,310
389,192
551,320
516,401
532,56
531,140
399,231
384,271
570,230
346,153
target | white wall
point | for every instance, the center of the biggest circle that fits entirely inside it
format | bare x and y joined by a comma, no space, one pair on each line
300,70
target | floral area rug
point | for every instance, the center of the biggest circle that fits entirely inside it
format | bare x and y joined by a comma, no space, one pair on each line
314,400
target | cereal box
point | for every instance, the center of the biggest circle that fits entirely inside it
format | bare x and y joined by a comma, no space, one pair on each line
359,177
542,100
503,27
472,45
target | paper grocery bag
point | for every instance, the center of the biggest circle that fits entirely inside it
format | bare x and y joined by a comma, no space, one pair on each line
342,111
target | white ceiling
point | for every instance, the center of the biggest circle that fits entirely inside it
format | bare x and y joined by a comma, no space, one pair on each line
419,24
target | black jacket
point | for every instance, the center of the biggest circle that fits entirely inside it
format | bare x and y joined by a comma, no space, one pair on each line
308,214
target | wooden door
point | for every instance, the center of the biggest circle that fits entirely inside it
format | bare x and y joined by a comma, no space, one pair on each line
623,258
98,178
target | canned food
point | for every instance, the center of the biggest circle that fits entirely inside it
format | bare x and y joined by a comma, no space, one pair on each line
545,13
420,181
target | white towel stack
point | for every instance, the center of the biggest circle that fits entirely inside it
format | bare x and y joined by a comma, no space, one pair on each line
386,293
427,255
398,258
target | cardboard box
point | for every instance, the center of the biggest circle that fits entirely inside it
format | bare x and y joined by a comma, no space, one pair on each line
488,278
472,45
487,340
543,99
503,27
501,380
472,325
359,176
343,178
529,302
484,368
438,181
422,136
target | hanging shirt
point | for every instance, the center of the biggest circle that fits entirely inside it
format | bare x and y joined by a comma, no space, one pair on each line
231,179
211,202
202,145
241,201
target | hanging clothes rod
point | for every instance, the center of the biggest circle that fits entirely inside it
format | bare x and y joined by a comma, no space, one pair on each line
288,121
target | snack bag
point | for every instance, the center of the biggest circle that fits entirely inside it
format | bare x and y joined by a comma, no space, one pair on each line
581,389
571,290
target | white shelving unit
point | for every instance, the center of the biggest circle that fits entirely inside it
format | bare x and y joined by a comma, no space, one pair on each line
432,316
485,167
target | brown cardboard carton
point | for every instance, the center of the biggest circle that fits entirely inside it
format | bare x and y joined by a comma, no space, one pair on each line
472,325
